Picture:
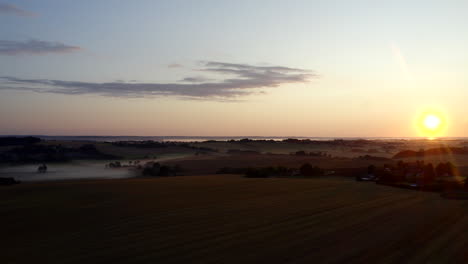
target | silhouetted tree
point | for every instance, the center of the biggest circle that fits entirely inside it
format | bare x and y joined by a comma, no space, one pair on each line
307,170
165,171
256,173
451,169
152,169
441,169
429,174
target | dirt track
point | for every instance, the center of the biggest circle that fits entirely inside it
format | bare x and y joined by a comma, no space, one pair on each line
229,219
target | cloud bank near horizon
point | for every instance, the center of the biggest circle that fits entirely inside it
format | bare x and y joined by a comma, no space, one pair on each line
9,9
34,47
236,80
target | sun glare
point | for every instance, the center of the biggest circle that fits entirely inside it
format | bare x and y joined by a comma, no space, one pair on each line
431,124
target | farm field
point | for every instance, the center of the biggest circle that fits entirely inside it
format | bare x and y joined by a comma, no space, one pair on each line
229,219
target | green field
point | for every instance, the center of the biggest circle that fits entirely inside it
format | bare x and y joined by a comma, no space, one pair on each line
229,219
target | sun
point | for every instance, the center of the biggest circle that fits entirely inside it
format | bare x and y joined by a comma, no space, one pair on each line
432,122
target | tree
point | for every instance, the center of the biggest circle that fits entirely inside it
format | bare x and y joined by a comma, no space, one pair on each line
441,169
429,174
307,170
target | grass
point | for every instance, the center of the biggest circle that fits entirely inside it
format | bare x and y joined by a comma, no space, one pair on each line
229,219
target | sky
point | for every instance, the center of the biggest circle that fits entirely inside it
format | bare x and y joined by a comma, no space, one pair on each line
232,68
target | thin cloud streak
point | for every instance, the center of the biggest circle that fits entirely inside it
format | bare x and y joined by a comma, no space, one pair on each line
237,80
34,47
195,79
8,9
175,65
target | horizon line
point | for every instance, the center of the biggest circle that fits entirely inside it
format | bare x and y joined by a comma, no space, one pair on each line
242,136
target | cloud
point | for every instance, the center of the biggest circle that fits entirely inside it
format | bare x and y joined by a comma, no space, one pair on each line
175,65
235,80
7,9
196,79
35,47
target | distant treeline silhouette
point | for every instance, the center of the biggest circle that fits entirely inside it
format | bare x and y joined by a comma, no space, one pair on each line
425,173
432,151
52,153
143,144
338,142
156,144
305,170
156,169
14,141
341,142
372,158
312,153
242,152
416,175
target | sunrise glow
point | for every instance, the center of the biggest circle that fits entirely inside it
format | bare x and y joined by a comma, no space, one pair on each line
431,124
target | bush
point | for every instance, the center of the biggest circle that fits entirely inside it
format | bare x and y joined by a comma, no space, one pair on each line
151,169
229,170
115,164
309,170
165,171
155,169
267,172
256,173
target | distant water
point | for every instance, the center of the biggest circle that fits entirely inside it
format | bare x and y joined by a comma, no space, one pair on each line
218,138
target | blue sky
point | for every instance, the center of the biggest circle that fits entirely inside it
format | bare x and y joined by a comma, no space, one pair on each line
337,68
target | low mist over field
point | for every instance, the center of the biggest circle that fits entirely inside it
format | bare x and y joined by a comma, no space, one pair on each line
73,171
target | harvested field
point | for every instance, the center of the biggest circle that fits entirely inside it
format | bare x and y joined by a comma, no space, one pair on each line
229,219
